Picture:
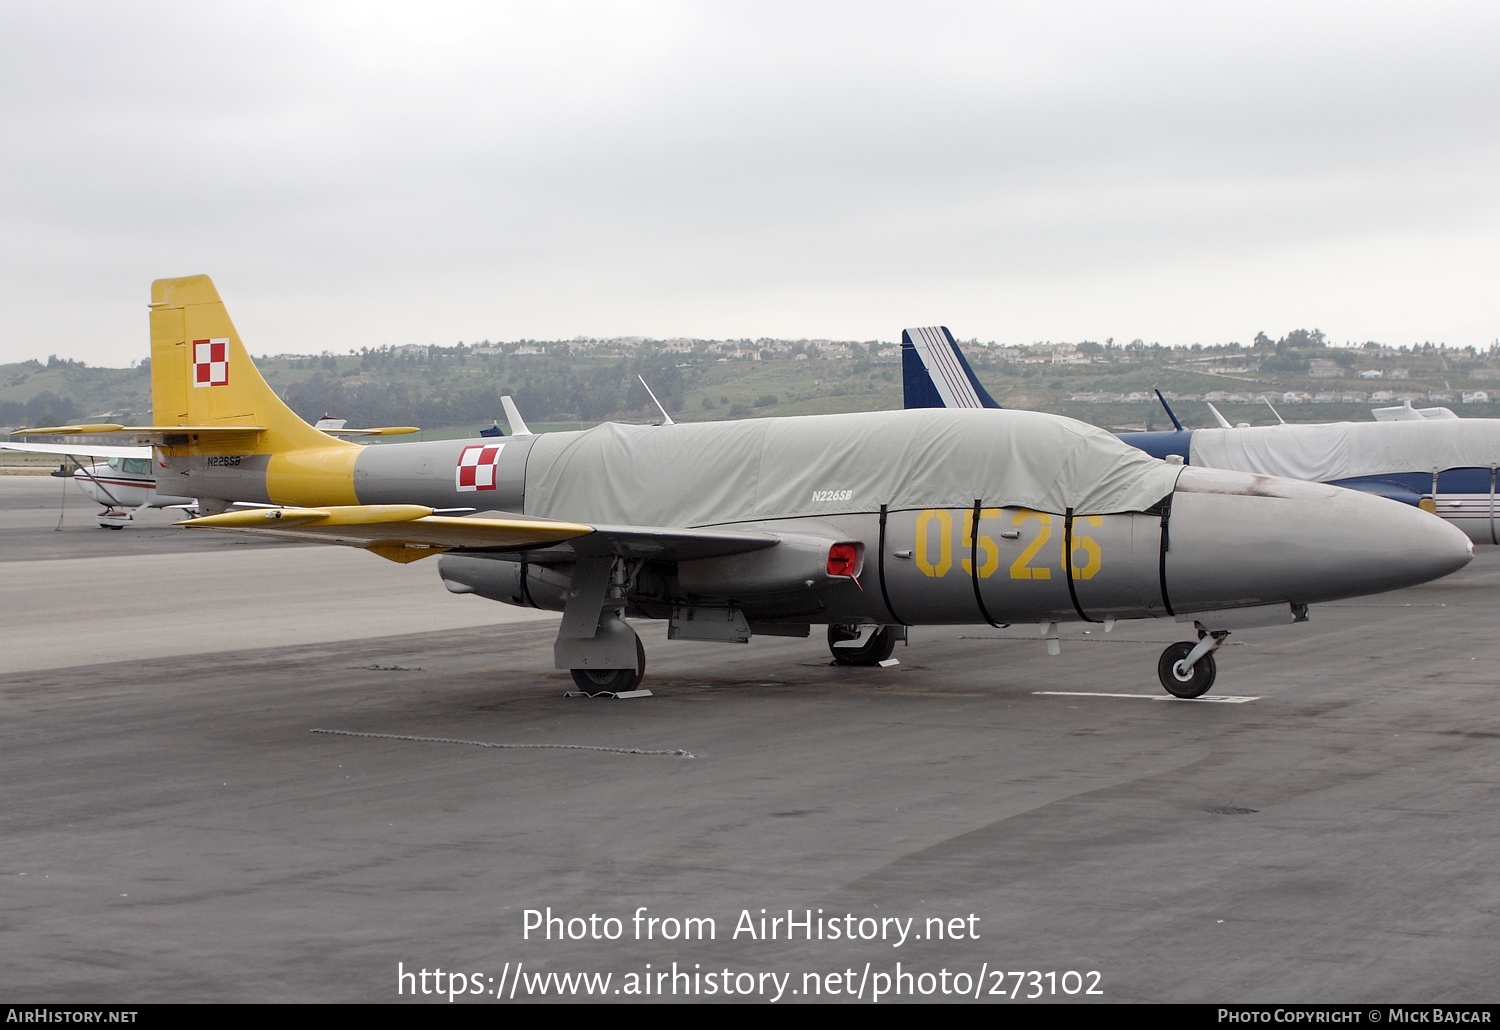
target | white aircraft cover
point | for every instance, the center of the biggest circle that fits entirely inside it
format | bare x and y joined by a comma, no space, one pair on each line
712,473
1343,450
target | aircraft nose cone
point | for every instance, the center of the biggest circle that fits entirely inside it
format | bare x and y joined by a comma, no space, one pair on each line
1239,539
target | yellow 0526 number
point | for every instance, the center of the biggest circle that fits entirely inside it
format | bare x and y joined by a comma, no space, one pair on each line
935,534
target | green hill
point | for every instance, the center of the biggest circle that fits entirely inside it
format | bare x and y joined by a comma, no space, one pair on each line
580,382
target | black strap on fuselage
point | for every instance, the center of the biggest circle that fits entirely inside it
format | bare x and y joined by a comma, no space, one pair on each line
1166,543
1068,565
974,564
880,565
526,587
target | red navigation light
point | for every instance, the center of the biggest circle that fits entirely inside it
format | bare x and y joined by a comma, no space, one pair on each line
843,560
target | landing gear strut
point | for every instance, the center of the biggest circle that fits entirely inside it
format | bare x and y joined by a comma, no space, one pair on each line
593,643
115,516
1187,669
861,645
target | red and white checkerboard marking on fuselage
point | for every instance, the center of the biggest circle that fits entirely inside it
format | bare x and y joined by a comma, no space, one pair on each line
476,468
211,362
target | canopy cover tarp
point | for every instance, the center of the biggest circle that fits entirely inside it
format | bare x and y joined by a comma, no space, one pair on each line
1345,450
712,473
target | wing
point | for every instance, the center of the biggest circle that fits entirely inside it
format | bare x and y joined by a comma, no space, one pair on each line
203,434
377,431
152,432
407,532
86,450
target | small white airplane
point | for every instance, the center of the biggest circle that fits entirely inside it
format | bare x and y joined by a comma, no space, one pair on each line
123,482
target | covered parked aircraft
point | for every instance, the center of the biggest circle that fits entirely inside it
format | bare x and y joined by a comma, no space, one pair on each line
866,523
1444,465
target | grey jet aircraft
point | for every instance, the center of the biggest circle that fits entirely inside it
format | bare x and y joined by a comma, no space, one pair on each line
865,523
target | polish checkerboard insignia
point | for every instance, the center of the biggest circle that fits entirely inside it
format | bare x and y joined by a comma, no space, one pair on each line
476,468
211,362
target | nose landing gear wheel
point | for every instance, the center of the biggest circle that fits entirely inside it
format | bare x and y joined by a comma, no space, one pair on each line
1197,680
612,681
872,652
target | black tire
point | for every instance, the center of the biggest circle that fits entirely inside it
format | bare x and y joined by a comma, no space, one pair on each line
1199,679
612,681
875,650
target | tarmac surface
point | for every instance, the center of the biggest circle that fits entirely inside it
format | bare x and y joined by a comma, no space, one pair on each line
174,830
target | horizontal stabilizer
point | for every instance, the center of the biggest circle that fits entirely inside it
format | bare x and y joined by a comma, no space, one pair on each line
934,373
151,432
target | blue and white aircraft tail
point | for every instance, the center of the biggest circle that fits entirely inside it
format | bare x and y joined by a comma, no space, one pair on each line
934,373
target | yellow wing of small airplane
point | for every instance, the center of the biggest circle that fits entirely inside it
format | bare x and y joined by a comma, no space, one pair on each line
407,532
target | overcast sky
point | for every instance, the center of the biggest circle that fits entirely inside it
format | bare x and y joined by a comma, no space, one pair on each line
359,174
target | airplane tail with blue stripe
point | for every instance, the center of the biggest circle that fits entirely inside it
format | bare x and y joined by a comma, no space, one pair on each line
934,373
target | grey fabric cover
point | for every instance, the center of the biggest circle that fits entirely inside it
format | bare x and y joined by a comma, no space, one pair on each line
711,473
1343,450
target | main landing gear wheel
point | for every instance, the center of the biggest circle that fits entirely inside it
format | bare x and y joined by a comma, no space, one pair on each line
872,652
1196,681
612,681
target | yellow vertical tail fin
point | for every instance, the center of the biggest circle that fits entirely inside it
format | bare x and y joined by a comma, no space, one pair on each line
202,375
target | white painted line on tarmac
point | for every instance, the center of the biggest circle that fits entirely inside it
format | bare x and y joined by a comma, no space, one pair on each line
1223,699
